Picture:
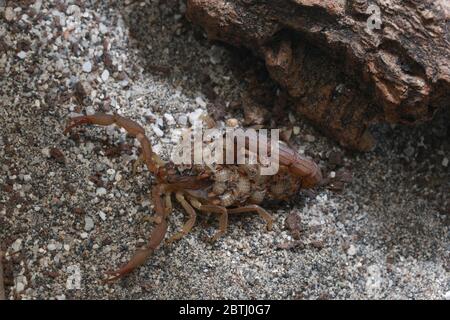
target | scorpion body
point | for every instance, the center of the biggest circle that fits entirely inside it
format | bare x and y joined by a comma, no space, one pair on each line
223,190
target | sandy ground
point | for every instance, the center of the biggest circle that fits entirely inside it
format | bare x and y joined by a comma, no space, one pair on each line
71,206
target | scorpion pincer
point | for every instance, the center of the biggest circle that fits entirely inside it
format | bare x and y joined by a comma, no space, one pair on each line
228,189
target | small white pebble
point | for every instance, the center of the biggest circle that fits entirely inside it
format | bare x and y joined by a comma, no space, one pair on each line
194,117
101,191
17,245
88,223
157,131
66,247
46,152
445,162
102,215
232,123
27,178
90,110
87,66
105,75
447,295
200,102
51,247
22,55
83,235
182,120
296,130
169,118
103,29
351,250
332,174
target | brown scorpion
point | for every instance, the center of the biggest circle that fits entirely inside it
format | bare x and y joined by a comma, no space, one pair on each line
228,189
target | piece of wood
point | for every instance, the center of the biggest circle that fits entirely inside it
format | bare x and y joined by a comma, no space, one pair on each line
345,64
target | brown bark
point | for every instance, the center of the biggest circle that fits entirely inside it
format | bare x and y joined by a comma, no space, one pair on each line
340,74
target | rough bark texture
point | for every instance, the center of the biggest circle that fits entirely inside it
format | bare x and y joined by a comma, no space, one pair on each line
341,75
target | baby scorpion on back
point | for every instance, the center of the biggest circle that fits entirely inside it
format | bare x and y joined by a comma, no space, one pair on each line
228,189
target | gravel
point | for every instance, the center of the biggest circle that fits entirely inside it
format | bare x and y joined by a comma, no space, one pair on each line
71,207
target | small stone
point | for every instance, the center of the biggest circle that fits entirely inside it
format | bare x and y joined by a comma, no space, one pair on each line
46,152
102,28
88,223
27,178
195,117
82,90
102,215
22,55
296,130
83,235
200,102
9,14
90,110
332,174
157,131
351,250
87,67
17,245
73,9
182,120
169,118
232,123
105,75
51,247
66,247
20,287
445,162
447,295
101,191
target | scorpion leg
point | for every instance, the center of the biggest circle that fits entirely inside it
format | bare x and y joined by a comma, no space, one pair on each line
223,219
255,208
156,238
191,221
152,161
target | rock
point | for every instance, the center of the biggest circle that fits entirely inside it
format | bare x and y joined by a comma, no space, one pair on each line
445,162
232,122
169,118
88,223
17,245
182,120
82,90
447,295
87,67
195,117
105,75
9,14
58,155
102,215
351,251
51,247
101,191
22,55
157,131
102,28
395,59
200,102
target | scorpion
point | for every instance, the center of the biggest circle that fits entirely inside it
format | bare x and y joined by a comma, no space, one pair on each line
228,189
